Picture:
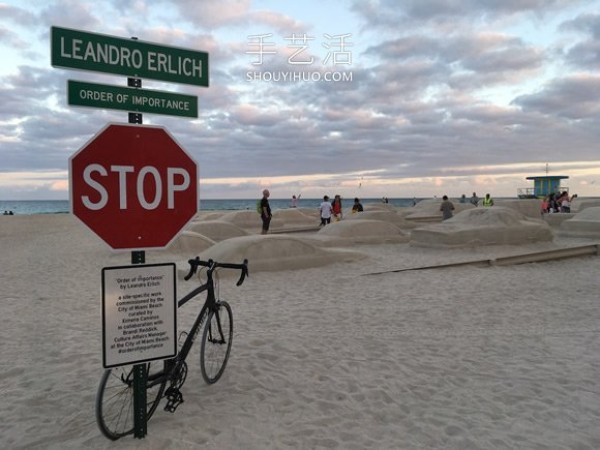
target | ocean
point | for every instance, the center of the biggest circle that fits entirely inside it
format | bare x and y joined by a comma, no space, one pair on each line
62,206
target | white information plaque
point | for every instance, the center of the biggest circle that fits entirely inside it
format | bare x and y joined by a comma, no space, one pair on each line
139,314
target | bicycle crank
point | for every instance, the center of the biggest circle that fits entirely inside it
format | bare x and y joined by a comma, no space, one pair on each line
174,399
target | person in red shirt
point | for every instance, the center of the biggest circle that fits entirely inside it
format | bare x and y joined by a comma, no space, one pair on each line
337,207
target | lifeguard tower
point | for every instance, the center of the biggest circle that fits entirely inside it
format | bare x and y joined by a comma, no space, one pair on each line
543,186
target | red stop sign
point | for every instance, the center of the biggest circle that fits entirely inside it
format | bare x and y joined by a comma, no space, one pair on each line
133,186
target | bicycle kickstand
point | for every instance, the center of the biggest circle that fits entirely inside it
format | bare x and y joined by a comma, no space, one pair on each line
174,399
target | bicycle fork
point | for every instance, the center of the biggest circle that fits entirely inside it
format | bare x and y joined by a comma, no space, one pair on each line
220,339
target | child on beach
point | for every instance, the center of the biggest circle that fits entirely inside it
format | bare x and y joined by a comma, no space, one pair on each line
545,205
337,207
325,210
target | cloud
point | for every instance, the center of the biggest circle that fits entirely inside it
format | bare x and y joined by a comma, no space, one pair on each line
444,13
10,39
584,54
575,98
16,15
443,92
72,13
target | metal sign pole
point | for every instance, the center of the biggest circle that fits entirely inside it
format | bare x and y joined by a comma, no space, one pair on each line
140,377
140,424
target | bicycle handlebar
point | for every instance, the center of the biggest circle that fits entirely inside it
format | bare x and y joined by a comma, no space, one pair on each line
212,265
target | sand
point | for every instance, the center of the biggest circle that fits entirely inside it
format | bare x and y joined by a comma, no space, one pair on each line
323,357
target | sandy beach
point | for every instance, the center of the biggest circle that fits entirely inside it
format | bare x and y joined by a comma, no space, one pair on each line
324,357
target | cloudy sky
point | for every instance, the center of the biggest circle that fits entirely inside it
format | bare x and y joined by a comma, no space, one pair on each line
396,98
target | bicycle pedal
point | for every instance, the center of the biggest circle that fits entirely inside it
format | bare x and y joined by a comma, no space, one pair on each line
174,399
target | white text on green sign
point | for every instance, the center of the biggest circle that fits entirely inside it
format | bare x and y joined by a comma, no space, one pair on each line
100,53
129,99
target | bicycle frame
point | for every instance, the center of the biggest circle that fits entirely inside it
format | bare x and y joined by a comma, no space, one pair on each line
172,366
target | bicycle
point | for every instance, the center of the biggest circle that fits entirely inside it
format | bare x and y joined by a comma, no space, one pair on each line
115,396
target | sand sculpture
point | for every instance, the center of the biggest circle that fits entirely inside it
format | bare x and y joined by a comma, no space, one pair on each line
217,230
584,224
276,252
483,226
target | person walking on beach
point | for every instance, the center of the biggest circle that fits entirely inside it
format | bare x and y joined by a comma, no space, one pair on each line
357,207
265,211
446,208
325,210
336,205
487,201
474,200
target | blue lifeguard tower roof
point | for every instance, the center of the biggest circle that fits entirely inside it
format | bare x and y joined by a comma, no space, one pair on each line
547,184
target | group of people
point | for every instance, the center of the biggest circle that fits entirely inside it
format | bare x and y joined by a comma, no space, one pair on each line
447,207
474,200
555,203
333,209
328,210
8,213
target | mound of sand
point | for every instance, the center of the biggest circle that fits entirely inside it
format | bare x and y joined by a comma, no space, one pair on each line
555,220
428,210
311,212
483,226
217,230
189,244
248,219
527,207
585,224
276,252
209,215
294,217
377,207
579,204
363,231
384,216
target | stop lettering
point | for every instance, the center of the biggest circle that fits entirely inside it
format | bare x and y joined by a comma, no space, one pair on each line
134,186
96,176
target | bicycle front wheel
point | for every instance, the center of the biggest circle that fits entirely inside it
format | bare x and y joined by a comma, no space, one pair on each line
216,342
114,400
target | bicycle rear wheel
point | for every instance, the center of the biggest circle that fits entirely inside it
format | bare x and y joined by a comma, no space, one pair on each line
114,400
216,342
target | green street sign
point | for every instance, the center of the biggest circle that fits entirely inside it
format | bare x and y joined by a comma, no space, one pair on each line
81,50
130,99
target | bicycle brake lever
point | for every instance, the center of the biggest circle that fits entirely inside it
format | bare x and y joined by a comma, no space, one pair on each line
244,273
193,268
